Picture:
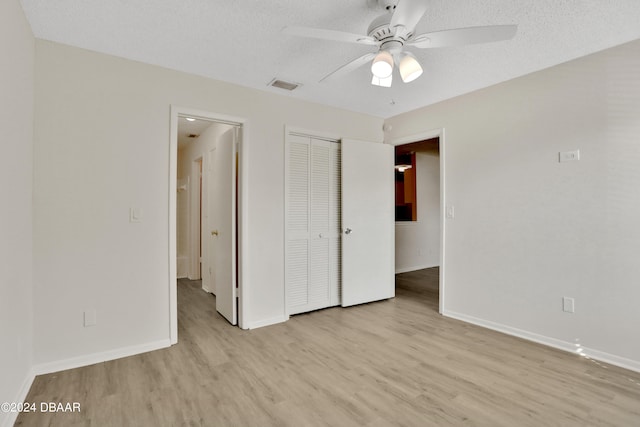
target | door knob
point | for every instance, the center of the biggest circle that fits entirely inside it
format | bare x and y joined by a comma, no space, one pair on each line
347,231
214,233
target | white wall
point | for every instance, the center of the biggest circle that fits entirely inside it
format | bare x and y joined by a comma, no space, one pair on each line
101,147
16,161
529,230
418,242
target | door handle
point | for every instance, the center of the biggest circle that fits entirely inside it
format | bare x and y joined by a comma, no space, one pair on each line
214,233
347,231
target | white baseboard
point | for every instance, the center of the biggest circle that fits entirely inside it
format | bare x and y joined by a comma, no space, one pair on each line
267,322
612,359
408,269
76,362
91,359
632,365
11,417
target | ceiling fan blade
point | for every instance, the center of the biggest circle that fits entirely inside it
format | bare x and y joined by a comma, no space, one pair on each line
340,36
464,36
349,67
407,15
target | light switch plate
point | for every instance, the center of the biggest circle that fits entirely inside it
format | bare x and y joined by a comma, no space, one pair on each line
569,156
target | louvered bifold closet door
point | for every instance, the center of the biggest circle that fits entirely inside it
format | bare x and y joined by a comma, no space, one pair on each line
319,219
297,222
335,225
312,234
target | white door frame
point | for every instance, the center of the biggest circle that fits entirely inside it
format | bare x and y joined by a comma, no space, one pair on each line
243,266
434,133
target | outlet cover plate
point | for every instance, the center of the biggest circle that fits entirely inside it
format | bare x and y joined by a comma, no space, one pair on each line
90,318
568,305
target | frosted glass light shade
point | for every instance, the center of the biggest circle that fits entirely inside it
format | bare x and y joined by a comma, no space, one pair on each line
386,82
409,67
382,65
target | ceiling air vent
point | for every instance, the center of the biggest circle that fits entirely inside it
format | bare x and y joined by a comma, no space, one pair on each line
283,85
192,135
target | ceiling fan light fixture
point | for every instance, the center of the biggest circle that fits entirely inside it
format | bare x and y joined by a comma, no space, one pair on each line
409,67
386,82
402,168
382,65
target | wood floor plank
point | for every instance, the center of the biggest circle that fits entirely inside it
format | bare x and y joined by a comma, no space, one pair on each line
390,363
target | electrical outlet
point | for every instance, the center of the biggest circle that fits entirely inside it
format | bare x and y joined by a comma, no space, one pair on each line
568,305
90,318
135,215
450,212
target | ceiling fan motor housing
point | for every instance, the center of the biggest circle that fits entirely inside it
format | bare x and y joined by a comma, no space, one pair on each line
379,27
380,30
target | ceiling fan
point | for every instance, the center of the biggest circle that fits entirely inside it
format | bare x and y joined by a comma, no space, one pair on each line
394,30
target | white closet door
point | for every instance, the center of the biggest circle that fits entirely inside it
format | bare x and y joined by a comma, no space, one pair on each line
312,225
335,225
319,289
368,222
297,222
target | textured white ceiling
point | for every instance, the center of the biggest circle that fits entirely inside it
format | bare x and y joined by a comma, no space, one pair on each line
239,41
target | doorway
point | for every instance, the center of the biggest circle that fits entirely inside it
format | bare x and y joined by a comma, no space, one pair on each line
420,214
189,200
214,176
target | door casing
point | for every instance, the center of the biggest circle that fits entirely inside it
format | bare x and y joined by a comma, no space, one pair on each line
243,267
435,133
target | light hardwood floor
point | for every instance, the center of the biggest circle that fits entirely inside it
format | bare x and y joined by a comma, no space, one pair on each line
390,363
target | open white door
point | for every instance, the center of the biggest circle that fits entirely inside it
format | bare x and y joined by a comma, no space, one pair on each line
208,242
368,245
223,213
